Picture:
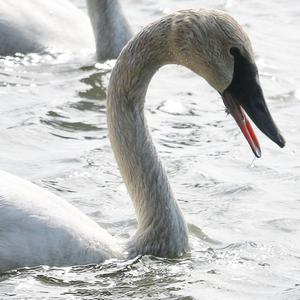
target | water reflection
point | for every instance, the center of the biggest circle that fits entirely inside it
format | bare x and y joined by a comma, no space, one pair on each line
97,81
96,86
94,106
69,126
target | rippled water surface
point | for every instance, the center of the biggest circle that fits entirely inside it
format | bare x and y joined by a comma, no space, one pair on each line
53,132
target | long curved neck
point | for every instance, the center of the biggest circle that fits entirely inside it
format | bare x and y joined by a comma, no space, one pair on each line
110,27
161,227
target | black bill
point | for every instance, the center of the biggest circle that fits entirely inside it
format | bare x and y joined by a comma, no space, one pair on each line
244,94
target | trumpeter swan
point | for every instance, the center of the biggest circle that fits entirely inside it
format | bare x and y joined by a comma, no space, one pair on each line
37,227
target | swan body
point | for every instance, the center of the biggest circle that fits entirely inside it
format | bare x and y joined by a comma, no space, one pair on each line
30,26
37,227
36,25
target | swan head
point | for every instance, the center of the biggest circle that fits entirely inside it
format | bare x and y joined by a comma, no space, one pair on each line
213,45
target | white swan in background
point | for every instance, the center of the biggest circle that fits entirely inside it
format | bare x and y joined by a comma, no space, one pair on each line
37,227
38,25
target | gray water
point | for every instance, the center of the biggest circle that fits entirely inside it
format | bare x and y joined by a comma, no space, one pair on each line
244,215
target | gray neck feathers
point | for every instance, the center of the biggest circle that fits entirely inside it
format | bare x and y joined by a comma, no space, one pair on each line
161,227
110,27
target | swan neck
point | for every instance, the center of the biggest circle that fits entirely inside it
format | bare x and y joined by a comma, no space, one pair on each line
161,227
110,27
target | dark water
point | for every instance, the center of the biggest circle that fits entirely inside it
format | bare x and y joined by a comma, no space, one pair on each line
53,132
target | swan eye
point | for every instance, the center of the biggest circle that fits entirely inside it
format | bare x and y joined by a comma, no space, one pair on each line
234,51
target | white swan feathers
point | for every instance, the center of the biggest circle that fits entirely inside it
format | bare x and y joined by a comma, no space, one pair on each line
38,227
31,26
35,25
